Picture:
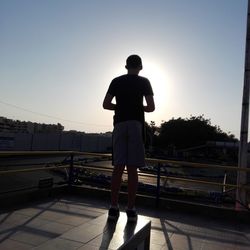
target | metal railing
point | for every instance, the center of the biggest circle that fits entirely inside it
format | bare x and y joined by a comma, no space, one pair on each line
72,165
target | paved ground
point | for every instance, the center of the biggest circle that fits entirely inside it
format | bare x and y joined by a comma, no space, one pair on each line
40,225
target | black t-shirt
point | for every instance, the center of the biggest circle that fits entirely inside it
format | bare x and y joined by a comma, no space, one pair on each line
129,91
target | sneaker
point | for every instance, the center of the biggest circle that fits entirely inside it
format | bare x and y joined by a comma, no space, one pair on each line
132,215
113,214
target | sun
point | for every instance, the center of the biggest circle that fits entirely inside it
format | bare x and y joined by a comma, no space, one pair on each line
159,79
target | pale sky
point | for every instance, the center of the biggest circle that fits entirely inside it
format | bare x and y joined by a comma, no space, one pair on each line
58,57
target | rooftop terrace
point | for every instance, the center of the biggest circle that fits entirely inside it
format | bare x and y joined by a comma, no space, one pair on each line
58,222
72,217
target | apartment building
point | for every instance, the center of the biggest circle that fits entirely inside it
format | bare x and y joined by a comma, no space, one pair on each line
16,126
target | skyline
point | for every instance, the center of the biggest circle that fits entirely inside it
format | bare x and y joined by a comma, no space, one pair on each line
58,58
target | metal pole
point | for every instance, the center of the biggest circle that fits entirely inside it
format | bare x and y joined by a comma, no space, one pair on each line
31,143
158,184
71,169
243,146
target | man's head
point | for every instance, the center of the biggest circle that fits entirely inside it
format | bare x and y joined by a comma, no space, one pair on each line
133,62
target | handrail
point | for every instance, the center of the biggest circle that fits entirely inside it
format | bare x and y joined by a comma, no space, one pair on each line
4,154
47,153
30,170
149,160
203,182
198,165
34,153
92,167
168,177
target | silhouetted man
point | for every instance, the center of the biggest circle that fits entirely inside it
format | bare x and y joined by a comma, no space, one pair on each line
128,133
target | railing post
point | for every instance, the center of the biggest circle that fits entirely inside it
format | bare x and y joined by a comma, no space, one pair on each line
71,169
158,184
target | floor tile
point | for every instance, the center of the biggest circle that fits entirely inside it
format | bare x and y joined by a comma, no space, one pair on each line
55,227
72,220
51,215
156,246
60,244
184,242
34,237
14,245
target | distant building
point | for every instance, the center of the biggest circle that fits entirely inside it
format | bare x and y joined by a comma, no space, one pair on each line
16,126
19,135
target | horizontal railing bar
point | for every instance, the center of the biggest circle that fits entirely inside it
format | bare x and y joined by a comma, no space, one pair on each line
110,170
178,179
149,160
198,181
95,168
34,153
92,154
198,165
48,153
30,169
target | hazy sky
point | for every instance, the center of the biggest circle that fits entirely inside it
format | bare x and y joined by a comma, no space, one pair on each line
58,57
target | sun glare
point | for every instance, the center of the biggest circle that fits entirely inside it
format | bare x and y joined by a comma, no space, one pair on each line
160,83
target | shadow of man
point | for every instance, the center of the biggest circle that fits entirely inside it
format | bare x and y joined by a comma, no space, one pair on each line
107,236
129,231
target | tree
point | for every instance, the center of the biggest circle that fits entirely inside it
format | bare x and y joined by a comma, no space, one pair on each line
149,131
194,131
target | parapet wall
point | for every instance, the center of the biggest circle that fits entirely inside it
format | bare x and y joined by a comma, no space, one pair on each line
56,141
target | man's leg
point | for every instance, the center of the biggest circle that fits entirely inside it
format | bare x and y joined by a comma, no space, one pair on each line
132,185
135,159
119,159
116,184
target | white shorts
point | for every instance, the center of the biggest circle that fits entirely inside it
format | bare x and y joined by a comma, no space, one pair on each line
128,146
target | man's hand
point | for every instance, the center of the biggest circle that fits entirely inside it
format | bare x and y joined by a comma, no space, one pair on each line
150,104
107,102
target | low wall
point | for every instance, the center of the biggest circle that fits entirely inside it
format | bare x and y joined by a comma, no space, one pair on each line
55,141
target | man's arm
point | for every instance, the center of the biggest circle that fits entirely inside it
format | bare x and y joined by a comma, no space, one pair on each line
150,104
107,102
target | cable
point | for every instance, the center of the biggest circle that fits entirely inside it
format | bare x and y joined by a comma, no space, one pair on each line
50,116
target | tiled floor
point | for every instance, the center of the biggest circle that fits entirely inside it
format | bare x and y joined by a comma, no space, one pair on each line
40,225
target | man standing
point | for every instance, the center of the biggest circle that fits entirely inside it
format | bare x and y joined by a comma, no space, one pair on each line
128,133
